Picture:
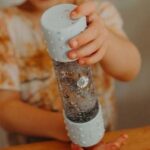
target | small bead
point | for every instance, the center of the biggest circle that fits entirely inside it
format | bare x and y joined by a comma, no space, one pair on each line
83,82
80,129
82,135
61,38
84,142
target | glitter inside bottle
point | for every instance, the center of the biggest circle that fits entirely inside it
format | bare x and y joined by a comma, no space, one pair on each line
77,91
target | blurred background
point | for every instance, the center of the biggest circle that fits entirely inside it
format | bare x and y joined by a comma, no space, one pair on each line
133,97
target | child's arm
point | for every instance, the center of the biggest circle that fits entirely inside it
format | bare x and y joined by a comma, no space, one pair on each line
122,59
117,55
16,116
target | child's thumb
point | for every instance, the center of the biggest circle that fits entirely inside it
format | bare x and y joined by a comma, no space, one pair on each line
76,147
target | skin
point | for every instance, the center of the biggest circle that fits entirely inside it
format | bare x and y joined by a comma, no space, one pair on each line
100,44
97,44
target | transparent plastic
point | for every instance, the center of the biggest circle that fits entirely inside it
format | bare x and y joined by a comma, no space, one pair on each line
77,91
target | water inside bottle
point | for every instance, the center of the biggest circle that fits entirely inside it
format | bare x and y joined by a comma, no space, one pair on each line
77,91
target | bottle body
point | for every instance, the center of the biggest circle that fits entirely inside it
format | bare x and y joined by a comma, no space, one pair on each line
77,91
82,113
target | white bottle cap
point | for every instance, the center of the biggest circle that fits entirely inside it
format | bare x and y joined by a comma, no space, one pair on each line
59,28
86,134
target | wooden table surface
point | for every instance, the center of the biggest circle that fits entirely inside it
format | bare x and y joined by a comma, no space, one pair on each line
139,139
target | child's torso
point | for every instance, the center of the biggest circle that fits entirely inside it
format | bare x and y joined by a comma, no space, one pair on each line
37,78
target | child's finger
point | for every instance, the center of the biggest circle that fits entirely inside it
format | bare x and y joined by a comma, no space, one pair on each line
84,9
87,49
92,17
94,58
116,145
85,37
121,140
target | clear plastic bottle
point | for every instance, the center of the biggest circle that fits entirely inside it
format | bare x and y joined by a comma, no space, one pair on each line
77,91
82,113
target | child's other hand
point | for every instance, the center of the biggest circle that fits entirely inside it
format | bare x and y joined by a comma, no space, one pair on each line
114,145
90,46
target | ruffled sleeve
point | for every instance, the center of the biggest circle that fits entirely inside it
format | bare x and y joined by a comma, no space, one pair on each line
111,17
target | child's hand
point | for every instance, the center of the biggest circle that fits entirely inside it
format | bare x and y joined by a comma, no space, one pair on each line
114,145
90,46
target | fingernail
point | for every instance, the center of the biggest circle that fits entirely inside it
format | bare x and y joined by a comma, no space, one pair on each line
117,145
74,44
125,136
73,14
81,62
73,55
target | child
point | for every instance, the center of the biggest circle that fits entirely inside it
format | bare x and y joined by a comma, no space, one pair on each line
30,102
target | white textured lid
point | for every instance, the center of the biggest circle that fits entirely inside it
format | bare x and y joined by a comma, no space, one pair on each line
58,28
86,134
8,3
